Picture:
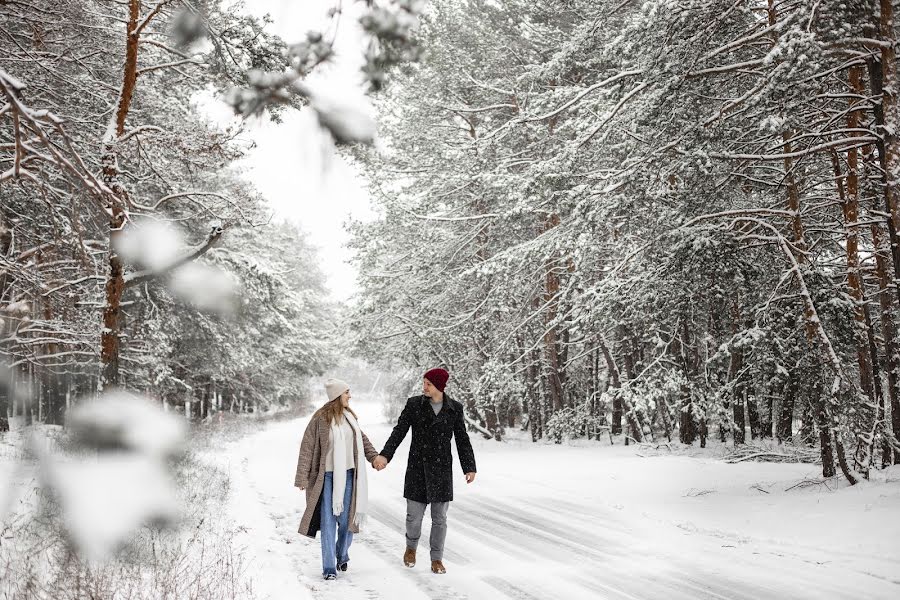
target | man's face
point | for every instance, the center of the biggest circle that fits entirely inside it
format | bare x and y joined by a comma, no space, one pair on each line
428,388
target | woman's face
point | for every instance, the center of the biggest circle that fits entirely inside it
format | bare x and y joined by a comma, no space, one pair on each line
345,399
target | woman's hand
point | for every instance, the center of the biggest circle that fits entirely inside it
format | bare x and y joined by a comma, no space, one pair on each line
379,462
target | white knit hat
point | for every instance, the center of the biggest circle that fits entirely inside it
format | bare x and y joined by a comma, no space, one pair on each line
335,387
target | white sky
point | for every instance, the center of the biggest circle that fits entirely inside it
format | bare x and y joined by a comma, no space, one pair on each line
301,183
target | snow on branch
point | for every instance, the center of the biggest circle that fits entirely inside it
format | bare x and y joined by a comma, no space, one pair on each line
601,84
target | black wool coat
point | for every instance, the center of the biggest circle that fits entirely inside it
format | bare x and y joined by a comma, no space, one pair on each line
429,469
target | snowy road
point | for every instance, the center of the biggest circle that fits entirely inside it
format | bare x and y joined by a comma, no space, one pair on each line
540,522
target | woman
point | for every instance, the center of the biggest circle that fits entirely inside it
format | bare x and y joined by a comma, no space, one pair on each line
329,470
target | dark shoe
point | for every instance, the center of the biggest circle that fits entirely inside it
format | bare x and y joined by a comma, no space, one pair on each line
409,557
438,567
342,566
330,576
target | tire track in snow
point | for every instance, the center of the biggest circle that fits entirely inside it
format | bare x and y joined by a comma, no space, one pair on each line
501,524
510,590
531,543
708,585
527,524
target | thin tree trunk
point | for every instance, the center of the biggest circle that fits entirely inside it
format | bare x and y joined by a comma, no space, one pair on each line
824,437
888,330
615,383
784,426
766,418
753,416
27,401
6,390
735,364
662,408
551,335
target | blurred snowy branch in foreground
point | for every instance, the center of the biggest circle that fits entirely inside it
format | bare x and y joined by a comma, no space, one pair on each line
116,478
157,247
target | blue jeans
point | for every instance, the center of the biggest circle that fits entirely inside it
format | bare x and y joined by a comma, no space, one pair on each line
335,549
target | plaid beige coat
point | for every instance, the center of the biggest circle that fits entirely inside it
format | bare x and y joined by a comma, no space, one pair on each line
310,474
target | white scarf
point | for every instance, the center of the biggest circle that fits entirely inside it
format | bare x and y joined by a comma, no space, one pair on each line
340,475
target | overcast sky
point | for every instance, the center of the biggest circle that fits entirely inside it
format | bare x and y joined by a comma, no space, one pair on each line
288,165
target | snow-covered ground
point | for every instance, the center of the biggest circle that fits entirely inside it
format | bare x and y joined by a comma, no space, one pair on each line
585,521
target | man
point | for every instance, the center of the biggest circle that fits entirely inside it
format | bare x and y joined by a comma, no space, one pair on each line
434,418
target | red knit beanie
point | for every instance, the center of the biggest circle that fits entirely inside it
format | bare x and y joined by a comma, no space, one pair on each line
438,378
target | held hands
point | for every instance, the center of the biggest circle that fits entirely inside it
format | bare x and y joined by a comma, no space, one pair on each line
380,462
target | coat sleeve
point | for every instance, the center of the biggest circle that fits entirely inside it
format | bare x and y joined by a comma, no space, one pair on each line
307,446
399,432
463,444
368,449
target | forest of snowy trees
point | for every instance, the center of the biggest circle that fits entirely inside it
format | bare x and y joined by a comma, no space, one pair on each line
669,220
661,220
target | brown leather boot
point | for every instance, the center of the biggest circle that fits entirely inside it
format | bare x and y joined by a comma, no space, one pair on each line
409,557
438,567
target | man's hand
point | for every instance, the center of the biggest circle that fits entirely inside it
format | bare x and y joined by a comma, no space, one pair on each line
470,477
379,462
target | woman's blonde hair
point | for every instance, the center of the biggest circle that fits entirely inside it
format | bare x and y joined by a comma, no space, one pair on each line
334,410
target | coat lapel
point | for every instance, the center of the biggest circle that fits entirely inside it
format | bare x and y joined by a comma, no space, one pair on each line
428,416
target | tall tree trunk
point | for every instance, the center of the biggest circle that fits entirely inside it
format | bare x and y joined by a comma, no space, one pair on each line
876,76
889,147
116,206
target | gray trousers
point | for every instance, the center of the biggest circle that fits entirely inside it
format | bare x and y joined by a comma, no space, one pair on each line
415,511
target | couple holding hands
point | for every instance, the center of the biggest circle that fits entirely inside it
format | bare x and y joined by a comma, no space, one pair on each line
337,495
